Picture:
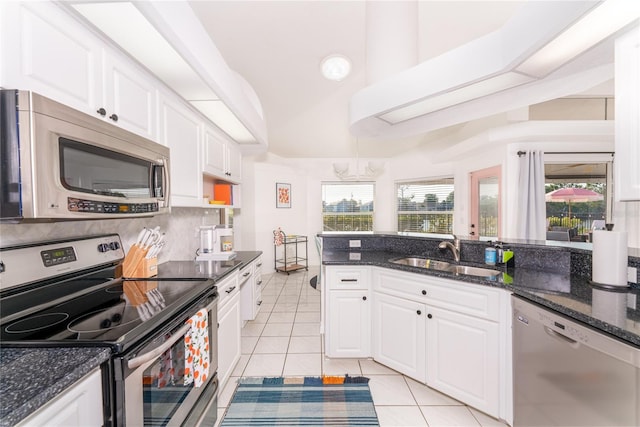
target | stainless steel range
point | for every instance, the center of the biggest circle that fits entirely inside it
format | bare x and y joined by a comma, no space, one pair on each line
70,293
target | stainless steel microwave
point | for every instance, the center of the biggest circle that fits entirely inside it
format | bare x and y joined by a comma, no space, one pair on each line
57,163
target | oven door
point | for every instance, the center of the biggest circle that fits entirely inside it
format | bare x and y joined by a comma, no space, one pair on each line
155,389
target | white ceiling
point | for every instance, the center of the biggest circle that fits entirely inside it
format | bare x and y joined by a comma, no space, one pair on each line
277,46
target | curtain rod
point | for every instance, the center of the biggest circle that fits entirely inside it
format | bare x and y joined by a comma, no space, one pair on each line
522,153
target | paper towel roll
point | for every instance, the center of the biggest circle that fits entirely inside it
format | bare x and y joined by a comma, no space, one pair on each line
610,257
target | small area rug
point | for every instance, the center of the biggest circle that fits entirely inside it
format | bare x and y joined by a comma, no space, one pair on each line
301,401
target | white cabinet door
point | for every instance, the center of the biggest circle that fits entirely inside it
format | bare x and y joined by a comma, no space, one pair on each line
399,334
79,406
229,331
234,163
130,97
349,324
222,157
215,152
463,354
627,126
181,133
46,51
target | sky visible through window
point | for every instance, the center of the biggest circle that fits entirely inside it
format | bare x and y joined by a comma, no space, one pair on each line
334,193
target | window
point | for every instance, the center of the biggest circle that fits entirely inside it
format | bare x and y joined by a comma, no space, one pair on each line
577,211
425,206
347,206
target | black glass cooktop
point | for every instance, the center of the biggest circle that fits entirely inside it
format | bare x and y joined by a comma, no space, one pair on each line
195,270
116,313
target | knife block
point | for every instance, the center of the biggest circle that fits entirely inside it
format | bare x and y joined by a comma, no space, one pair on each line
145,268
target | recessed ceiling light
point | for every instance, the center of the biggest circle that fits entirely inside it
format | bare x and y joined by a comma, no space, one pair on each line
335,67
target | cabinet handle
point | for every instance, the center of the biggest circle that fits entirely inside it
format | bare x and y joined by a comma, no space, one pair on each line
348,280
230,289
114,117
102,111
259,302
364,298
424,292
259,265
246,274
429,316
419,312
259,282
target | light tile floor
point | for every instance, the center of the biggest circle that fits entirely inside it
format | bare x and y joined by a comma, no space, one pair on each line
284,339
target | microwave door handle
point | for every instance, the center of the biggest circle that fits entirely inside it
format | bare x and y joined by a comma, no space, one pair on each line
166,183
144,358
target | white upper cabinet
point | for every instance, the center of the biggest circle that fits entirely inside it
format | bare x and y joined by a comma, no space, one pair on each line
130,97
46,51
59,58
627,104
181,132
222,158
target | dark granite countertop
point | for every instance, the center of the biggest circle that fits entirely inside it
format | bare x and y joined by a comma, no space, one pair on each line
615,312
31,377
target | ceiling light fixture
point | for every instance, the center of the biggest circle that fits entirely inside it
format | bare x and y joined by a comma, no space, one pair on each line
335,67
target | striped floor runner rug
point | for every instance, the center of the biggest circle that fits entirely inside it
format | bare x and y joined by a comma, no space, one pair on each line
301,401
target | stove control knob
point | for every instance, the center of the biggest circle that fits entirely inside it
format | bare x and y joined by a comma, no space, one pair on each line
114,246
105,324
2,267
103,247
116,318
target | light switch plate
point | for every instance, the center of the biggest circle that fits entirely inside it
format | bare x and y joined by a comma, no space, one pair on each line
354,243
354,256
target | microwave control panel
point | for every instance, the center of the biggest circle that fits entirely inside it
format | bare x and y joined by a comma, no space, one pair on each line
92,206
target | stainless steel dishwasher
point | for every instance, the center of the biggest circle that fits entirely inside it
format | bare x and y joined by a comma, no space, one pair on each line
568,374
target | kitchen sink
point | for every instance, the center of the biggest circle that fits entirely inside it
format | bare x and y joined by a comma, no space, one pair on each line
422,262
474,271
445,266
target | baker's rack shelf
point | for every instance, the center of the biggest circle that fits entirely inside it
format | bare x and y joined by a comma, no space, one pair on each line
290,252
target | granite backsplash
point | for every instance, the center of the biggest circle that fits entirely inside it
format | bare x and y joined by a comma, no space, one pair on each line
537,255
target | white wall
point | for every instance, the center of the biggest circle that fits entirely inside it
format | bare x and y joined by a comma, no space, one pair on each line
490,146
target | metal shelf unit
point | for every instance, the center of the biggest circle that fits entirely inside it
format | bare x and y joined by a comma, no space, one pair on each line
291,254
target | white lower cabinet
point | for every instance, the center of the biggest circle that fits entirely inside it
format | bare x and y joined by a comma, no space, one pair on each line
251,289
453,336
229,328
349,321
463,358
348,312
399,338
79,406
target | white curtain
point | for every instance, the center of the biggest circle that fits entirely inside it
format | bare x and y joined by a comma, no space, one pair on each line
531,205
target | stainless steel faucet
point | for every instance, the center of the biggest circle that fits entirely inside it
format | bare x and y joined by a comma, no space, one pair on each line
455,247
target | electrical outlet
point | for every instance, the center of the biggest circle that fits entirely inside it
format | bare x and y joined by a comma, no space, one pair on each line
631,301
354,256
354,243
632,275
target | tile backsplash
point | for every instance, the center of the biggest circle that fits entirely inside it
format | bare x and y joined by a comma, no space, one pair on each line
180,228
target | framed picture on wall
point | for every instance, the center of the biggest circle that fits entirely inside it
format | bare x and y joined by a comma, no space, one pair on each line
283,195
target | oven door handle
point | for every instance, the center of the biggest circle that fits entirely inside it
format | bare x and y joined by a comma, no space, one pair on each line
151,355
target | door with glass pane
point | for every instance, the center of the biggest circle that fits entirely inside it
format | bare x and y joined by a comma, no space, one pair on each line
485,191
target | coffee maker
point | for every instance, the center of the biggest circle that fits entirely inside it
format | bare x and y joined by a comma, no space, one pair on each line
216,243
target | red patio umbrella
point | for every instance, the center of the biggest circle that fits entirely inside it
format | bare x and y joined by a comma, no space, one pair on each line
575,195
